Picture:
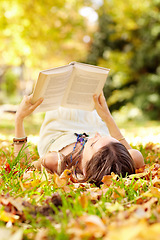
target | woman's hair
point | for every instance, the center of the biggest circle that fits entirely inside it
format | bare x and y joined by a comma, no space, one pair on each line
113,157
76,157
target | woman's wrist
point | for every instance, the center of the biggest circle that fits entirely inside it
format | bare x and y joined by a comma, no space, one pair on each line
19,140
19,127
107,118
19,118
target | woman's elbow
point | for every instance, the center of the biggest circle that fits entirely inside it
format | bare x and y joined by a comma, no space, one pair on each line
137,158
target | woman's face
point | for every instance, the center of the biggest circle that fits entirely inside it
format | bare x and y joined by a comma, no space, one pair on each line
93,145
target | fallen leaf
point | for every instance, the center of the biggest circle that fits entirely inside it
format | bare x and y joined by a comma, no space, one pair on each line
66,174
107,180
139,175
7,167
87,227
18,235
114,207
41,234
155,192
156,182
60,182
118,192
126,232
7,234
6,216
83,200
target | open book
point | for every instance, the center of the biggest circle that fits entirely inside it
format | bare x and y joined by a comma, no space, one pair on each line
70,86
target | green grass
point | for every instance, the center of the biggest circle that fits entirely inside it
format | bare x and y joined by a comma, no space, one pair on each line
136,132
57,220
69,209
32,124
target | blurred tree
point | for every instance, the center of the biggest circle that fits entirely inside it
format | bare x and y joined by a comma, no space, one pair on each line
127,41
10,83
146,62
40,34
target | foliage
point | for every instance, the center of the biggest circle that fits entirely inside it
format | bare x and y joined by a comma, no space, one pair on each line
145,62
10,83
45,206
38,205
128,42
35,32
37,35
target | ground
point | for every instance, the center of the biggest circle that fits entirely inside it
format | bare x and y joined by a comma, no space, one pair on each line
47,206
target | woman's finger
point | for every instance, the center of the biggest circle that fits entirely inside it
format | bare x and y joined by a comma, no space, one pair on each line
96,101
103,101
38,102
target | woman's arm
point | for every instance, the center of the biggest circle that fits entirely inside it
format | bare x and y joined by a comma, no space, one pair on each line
25,109
103,111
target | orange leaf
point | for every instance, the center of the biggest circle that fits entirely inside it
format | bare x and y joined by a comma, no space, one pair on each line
156,182
107,180
60,182
155,192
118,192
83,200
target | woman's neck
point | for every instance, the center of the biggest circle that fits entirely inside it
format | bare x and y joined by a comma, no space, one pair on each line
67,149
78,145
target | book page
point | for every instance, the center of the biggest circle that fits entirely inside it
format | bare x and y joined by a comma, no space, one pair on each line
90,68
55,88
84,83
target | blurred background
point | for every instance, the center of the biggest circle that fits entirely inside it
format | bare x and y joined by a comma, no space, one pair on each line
121,35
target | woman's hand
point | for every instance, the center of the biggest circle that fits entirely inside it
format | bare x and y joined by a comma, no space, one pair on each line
26,107
101,106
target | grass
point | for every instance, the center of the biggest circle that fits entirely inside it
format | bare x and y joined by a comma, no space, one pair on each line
48,207
136,132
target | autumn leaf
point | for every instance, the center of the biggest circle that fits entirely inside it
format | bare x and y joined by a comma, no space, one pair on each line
7,216
107,180
114,207
7,233
60,182
84,200
41,234
118,192
66,174
7,167
87,226
121,205
155,192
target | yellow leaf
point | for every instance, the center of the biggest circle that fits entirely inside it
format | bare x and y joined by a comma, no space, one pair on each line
155,192
139,175
94,225
87,227
114,207
151,232
156,182
146,194
66,174
60,182
6,217
126,232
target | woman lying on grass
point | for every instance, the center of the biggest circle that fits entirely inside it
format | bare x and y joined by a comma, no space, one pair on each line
79,140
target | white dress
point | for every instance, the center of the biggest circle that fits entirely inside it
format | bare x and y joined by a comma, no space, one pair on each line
59,126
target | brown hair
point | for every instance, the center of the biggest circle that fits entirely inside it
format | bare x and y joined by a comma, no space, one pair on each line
113,157
76,158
